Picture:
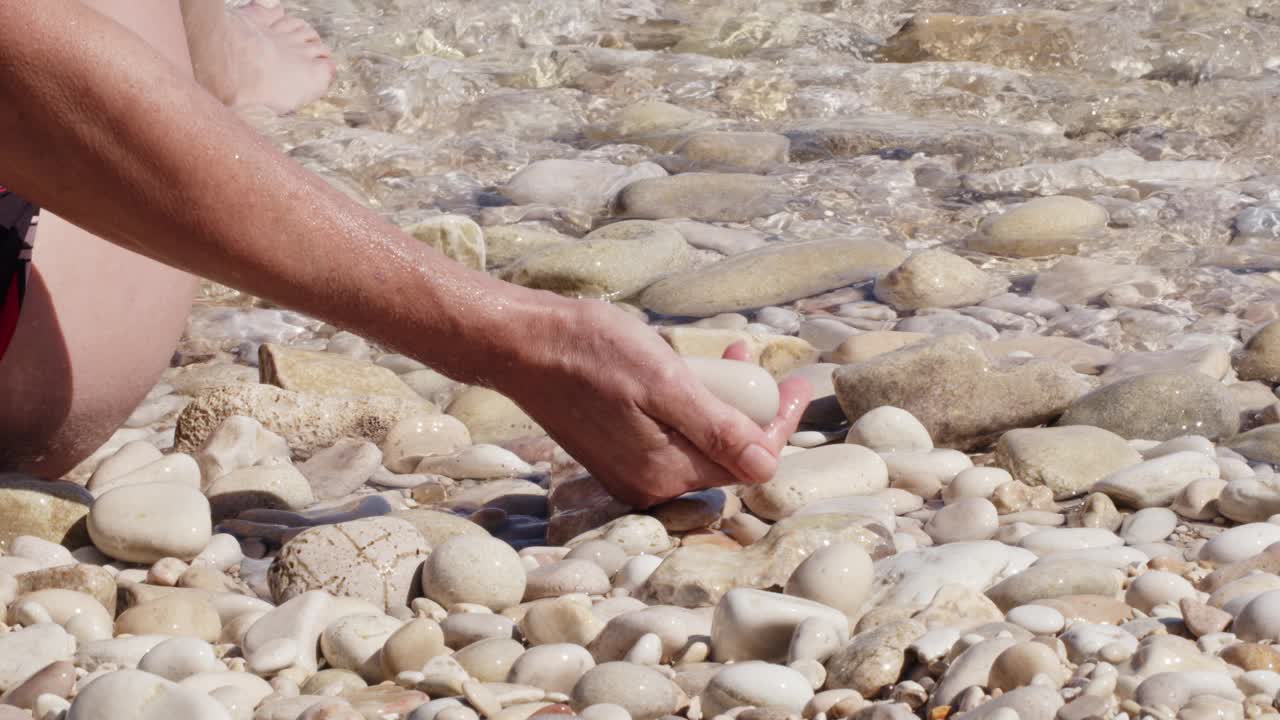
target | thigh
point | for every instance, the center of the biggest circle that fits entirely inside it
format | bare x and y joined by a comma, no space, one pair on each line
98,326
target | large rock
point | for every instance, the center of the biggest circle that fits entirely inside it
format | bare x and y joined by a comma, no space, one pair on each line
53,511
818,474
936,279
307,422
960,395
1260,359
1067,460
1043,226
614,262
328,374
874,659
586,185
713,197
772,275
1158,406
375,559
699,575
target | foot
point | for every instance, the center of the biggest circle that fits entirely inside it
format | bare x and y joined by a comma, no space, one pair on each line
256,54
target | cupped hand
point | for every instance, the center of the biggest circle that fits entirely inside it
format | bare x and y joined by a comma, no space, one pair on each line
615,396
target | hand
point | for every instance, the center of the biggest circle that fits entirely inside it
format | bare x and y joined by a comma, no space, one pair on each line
620,401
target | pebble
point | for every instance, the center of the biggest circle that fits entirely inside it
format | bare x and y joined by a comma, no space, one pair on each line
966,519
1036,619
1260,358
756,684
1042,226
57,678
759,625
374,559
1019,664
643,692
936,279
1158,482
474,569
710,197
341,468
1054,580
889,429
275,487
838,576
745,386
978,482
354,642
771,275
1240,543
1259,621
144,523
179,658
1148,525
1156,587
812,475
554,668
172,614
952,388
53,511
1067,460
1158,406
924,473
137,695
613,262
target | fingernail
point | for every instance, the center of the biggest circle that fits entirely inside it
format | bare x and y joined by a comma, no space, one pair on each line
757,464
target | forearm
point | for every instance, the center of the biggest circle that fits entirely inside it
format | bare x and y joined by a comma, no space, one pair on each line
98,128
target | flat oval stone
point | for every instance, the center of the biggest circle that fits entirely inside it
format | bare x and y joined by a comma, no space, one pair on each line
179,658
640,690
57,678
274,487
1054,580
1157,482
812,475
1037,619
745,386
147,522
411,645
757,684
771,275
474,569
1054,540
613,262
1043,226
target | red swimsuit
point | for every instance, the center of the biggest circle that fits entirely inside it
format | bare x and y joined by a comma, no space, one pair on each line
17,223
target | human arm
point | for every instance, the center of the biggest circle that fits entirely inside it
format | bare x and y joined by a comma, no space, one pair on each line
103,131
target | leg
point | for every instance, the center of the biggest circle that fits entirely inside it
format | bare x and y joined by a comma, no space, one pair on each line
80,359
256,54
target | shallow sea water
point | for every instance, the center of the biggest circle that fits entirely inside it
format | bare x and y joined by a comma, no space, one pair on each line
912,135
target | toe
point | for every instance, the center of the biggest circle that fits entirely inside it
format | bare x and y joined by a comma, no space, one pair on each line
289,24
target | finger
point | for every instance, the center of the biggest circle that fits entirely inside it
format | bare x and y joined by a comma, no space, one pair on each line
793,397
737,351
722,433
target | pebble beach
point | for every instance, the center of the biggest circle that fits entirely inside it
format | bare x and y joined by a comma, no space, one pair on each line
1027,254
